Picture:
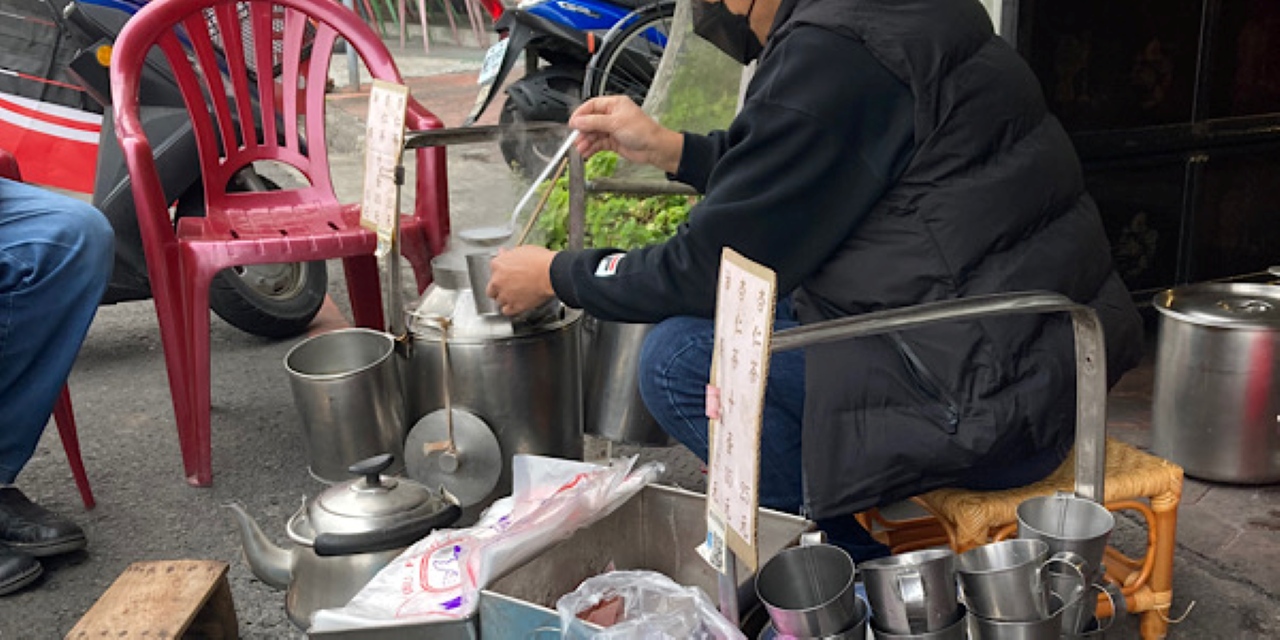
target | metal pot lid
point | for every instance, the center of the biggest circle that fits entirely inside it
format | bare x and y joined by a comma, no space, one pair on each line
372,502
1235,305
468,467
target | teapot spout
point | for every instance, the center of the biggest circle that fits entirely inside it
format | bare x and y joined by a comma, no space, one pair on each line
269,563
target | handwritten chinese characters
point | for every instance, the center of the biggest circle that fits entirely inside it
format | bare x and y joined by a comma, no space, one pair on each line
384,140
743,328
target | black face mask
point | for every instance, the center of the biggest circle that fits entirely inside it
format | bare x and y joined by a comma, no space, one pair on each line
728,31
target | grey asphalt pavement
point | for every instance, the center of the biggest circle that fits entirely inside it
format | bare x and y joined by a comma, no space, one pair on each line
1228,559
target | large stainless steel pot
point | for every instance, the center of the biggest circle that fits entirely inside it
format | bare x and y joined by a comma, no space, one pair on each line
1216,401
521,378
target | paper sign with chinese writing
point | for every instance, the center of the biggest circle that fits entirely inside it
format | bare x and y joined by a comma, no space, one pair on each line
745,295
384,141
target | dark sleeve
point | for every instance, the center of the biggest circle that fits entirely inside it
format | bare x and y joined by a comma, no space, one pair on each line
814,147
698,158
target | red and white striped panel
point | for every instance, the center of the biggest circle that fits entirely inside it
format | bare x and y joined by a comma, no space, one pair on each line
56,146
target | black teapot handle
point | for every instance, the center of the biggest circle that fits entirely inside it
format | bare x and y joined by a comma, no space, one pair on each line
401,535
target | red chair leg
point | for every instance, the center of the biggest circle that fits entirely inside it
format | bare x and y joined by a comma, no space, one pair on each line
66,421
419,256
365,290
168,297
196,434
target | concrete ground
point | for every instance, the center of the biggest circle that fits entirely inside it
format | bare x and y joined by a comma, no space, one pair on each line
1228,553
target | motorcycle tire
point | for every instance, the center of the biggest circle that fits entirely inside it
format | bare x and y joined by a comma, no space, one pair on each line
546,95
267,300
629,54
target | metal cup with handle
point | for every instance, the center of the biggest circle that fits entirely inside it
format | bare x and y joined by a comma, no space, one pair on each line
957,630
809,593
1078,617
1046,628
1068,523
913,592
1008,580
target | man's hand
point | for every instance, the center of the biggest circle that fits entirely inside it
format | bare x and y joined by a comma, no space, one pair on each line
520,279
615,123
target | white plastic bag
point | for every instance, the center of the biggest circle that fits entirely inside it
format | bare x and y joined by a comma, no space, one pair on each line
439,578
653,607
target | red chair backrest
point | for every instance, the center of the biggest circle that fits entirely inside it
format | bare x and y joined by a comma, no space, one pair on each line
200,40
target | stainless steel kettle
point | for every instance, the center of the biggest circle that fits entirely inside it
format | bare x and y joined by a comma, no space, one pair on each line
344,536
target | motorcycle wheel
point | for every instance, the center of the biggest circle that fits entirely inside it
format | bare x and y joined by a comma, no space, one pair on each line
546,95
267,300
630,53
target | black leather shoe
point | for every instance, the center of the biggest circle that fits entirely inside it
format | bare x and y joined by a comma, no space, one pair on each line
17,569
28,527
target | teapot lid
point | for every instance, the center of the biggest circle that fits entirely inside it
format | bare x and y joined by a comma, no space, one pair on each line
373,501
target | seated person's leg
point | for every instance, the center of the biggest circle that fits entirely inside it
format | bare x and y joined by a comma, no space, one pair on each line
55,259
675,366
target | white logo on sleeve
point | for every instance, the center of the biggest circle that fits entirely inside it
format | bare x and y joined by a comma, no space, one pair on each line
609,265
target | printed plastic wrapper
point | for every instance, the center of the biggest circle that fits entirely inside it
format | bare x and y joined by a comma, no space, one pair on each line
652,607
439,578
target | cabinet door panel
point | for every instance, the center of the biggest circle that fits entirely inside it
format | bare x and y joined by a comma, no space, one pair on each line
1236,224
1107,65
1141,207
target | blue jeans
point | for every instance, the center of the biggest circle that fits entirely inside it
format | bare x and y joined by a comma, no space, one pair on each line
55,259
675,366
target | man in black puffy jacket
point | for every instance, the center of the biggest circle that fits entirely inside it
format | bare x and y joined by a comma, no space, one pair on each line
888,153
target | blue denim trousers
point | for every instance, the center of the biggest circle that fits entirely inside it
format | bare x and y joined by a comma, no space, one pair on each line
55,260
675,366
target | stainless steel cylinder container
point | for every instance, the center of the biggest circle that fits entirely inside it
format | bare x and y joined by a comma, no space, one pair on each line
523,379
1216,399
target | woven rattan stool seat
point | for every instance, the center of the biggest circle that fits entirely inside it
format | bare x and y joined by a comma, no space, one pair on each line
1135,481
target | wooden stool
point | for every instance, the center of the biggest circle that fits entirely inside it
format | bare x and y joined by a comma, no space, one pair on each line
1135,481
165,599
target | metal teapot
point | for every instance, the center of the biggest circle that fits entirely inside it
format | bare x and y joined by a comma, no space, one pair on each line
344,537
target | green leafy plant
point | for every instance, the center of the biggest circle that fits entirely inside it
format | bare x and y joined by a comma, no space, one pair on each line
623,222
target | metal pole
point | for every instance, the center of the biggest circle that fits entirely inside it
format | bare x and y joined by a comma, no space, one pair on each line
577,200
353,60
727,586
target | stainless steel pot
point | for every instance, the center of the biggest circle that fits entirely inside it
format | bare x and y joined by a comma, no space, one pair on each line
611,381
1216,400
522,378
344,537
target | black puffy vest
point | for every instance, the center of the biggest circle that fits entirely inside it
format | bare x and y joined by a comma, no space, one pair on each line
992,201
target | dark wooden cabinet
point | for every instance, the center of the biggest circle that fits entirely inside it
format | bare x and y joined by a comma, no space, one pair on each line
1174,108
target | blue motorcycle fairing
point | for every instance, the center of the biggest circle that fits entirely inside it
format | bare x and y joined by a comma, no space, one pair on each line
582,15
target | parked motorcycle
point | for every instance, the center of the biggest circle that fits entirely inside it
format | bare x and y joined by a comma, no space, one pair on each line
560,40
272,300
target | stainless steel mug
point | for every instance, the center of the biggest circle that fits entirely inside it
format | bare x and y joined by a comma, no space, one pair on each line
1046,628
478,273
1008,580
1079,615
346,386
913,592
1067,522
957,630
808,592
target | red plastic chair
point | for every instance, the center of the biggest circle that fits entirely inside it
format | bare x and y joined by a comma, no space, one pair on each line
291,225
62,413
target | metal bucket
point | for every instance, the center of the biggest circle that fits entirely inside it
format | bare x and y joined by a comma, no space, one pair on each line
346,386
525,386
1216,400
614,409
